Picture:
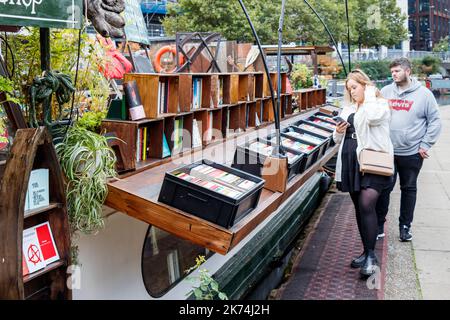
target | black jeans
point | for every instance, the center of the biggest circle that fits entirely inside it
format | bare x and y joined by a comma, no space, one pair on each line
408,168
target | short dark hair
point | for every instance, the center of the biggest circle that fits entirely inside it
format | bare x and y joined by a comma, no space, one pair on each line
402,62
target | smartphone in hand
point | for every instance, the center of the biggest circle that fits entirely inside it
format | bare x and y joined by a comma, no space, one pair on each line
339,120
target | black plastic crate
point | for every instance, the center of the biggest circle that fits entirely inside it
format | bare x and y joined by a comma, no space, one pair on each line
207,202
311,155
314,128
321,142
251,161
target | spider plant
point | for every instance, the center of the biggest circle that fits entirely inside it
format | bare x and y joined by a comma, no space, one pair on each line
87,162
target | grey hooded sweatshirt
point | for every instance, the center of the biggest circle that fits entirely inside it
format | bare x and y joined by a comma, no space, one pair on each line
415,120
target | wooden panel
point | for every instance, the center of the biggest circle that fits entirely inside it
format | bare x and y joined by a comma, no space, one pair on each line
173,93
217,124
206,92
268,114
148,85
187,131
252,112
214,92
156,130
226,90
259,85
175,221
243,87
234,89
202,122
185,92
251,87
127,133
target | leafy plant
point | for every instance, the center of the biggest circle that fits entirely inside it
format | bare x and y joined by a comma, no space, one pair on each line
92,120
87,162
7,86
208,288
376,70
301,76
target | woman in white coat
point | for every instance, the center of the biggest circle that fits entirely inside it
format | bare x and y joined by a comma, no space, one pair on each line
366,126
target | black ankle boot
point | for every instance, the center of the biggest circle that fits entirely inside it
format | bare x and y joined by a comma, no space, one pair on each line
359,262
370,265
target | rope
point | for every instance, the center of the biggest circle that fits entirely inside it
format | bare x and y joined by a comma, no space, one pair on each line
41,91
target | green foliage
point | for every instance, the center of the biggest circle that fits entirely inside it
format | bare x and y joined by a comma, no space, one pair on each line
208,288
7,86
430,65
87,162
442,45
301,76
376,70
92,120
301,25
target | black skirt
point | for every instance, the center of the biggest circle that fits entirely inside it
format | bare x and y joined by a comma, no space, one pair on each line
351,178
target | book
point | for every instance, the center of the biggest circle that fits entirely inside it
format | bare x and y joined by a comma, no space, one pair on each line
266,150
144,154
133,100
324,123
257,122
210,126
47,243
38,189
165,147
304,136
32,252
117,110
196,137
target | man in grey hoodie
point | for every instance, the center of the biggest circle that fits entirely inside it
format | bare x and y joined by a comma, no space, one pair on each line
415,127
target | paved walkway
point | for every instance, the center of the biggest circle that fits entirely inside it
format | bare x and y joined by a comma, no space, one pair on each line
431,226
410,270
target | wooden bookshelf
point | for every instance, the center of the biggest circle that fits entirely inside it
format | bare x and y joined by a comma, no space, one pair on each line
32,149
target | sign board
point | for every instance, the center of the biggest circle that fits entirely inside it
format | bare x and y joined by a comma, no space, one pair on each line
135,27
66,14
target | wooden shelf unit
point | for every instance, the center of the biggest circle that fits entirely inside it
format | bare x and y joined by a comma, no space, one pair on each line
309,98
137,195
243,95
32,149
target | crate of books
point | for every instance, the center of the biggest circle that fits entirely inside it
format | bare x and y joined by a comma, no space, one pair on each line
311,151
251,156
325,117
211,191
312,127
310,137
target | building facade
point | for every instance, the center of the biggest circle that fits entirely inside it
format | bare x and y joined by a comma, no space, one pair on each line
428,22
154,11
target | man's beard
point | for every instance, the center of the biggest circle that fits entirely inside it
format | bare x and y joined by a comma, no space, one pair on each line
402,80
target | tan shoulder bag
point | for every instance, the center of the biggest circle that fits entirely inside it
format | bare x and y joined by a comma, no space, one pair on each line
376,162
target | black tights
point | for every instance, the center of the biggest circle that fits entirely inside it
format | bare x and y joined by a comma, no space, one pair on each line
365,202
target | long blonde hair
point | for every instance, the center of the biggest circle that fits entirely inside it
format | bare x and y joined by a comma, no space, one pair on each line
360,77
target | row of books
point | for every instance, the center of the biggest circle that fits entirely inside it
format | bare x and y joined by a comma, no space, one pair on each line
325,118
305,137
217,180
323,123
163,96
313,129
266,149
143,145
295,145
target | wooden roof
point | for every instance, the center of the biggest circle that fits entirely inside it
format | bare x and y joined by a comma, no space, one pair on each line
297,50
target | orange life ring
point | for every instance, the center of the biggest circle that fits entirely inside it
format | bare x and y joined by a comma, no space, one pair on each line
162,51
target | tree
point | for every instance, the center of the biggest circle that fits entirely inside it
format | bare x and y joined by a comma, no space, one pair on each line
382,25
442,45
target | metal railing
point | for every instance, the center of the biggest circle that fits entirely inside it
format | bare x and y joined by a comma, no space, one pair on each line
371,55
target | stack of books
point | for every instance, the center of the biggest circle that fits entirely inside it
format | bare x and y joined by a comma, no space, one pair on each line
142,144
163,96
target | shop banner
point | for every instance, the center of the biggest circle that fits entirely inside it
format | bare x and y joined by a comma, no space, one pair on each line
65,14
135,27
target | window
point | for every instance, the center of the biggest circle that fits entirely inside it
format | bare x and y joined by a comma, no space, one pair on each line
424,5
411,6
165,258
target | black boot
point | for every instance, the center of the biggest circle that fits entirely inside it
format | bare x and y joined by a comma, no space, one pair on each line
370,265
359,262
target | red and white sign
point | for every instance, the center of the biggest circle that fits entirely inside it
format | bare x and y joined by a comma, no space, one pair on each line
400,105
39,249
